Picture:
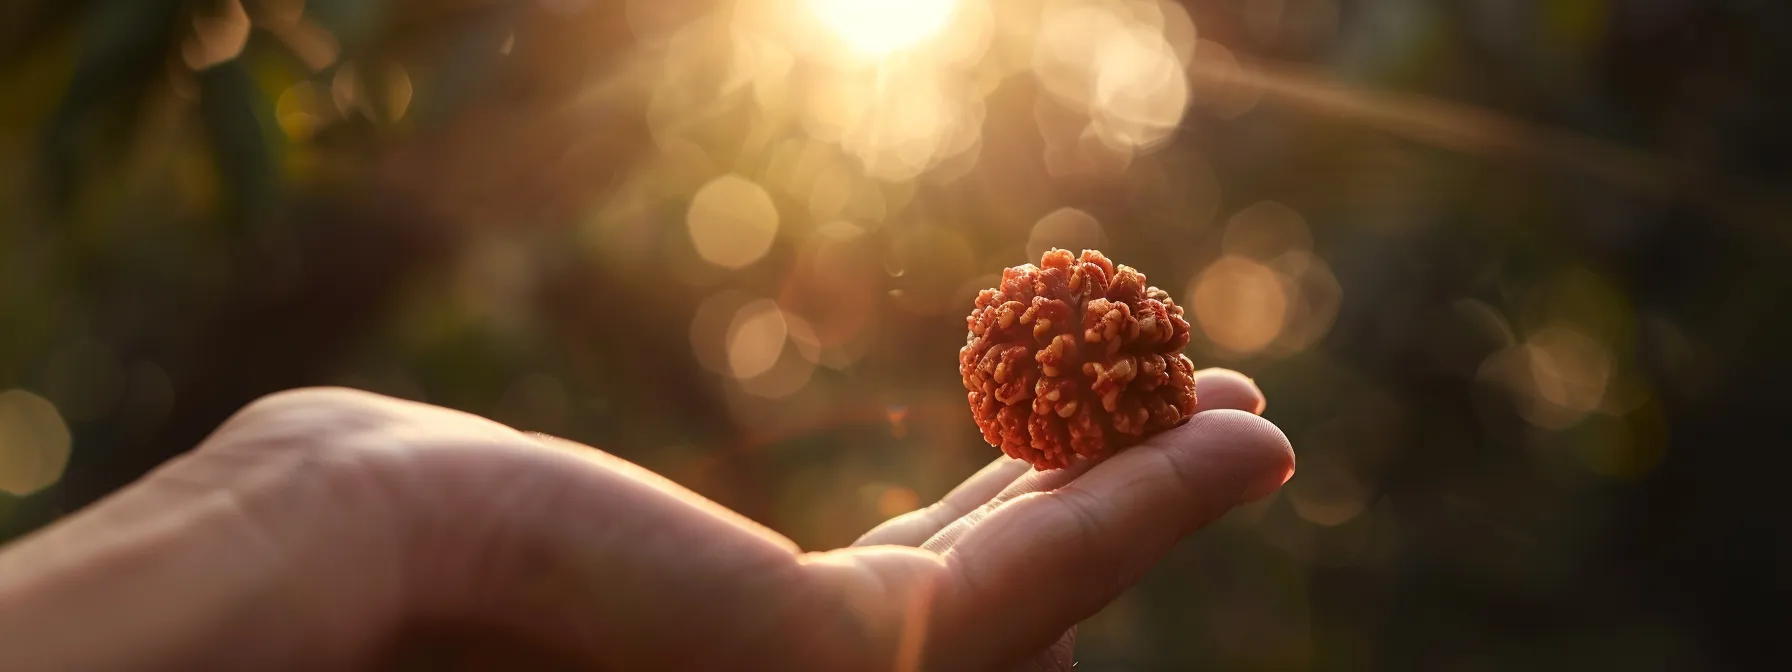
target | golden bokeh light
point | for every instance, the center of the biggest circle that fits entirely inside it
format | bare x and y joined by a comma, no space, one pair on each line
1179,31
909,132
1072,145
1569,369
898,125
216,38
835,105
789,373
344,88
1066,228
896,87
397,92
34,443
897,500
381,91
878,27
1315,296
1063,50
795,164
896,92
1592,304
300,111
1140,89
1240,304
1556,377
1225,85
1114,63
756,338
710,326
803,337
1265,230
843,195
302,36
732,221
1327,493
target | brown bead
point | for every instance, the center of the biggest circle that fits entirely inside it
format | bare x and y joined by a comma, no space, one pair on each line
1075,359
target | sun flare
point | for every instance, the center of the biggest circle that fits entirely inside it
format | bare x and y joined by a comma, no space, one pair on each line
878,27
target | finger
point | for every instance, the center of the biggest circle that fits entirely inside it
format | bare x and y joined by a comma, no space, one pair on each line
1046,560
914,527
1215,389
1033,481
1225,388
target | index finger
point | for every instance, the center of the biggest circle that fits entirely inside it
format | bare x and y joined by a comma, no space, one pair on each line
914,527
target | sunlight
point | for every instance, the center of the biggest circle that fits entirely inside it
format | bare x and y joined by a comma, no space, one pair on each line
878,27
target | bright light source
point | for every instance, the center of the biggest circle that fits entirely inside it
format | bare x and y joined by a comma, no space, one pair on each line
878,27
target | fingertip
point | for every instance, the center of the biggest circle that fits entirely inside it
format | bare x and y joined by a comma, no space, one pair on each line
1259,448
1217,389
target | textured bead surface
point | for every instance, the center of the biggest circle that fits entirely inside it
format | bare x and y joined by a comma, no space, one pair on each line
1075,358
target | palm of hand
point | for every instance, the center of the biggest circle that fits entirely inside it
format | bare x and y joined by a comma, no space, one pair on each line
333,528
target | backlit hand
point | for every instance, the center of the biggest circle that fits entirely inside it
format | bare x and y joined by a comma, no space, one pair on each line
339,529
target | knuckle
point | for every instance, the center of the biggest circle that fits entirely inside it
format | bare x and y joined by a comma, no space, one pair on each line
1080,506
1107,564
305,399
1111,566
309,419
1179,469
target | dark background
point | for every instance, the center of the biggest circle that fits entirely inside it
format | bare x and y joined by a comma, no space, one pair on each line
1537,425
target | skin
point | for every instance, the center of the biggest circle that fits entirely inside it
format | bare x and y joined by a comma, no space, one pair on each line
334,529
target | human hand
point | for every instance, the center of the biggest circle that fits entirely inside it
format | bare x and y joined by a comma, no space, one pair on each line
340,529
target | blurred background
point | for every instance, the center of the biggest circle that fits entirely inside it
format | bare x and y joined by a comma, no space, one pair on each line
1512,274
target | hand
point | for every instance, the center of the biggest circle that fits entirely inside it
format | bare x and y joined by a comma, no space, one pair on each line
332,528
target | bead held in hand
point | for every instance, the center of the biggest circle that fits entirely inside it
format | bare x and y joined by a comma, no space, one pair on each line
1075,358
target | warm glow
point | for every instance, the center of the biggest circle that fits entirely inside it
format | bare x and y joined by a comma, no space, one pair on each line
1067,228
34,443
878,27
1241,305
756,338
732,221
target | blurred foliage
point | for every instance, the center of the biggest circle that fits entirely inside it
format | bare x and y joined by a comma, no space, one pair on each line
1529,373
